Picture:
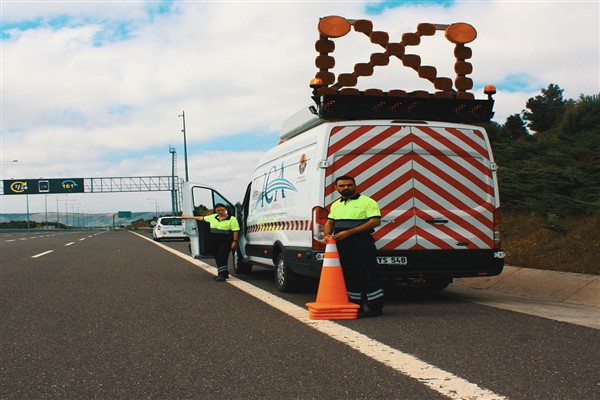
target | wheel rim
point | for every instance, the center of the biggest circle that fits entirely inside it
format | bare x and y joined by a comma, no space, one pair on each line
235,260
280,273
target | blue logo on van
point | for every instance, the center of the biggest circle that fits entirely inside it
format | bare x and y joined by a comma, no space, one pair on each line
272,186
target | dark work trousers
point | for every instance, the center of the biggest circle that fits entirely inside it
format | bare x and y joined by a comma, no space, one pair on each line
222,247
361,271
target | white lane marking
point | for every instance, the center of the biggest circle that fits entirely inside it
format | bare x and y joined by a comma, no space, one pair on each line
42,254
81,239
11,240
70,243
434,378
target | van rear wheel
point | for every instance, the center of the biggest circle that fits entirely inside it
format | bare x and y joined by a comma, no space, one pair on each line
240,267
285,279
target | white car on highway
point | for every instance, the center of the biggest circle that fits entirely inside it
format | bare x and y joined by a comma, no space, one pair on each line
168,228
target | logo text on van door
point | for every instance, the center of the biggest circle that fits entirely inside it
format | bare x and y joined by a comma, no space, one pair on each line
274,184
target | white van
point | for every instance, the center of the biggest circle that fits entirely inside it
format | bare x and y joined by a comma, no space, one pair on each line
435,183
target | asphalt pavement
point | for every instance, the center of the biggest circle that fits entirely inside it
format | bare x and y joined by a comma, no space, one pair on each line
115,316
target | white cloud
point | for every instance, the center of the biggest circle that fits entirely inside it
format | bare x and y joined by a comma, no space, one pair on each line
74,107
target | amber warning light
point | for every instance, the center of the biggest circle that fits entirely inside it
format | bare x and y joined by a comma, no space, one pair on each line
460,33
333,26
489,89
316,83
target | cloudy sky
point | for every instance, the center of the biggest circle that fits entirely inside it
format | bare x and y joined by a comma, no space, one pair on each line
95,89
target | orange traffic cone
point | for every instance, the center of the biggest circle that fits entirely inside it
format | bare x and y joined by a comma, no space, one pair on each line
332,298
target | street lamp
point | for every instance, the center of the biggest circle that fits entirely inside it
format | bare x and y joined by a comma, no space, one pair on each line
65,200
174,208
46,208
155,207
185,148
57,214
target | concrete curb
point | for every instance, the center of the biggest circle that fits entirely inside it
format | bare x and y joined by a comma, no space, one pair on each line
555,286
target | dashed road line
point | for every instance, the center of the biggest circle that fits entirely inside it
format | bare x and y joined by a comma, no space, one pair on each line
42,254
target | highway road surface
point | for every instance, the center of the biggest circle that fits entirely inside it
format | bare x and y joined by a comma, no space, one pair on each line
114,315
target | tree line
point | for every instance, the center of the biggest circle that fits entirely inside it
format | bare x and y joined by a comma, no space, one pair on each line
549,155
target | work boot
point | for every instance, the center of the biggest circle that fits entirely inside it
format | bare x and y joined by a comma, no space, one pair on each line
221,278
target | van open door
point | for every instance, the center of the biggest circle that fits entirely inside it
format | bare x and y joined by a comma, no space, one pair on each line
201,200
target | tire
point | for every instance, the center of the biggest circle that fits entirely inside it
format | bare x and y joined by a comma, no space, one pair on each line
240,267
285,279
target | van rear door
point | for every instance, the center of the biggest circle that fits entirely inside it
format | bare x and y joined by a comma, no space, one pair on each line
379,157
453,189
433,185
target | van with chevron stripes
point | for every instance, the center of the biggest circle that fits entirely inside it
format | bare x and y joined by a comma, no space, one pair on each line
422,156
435,183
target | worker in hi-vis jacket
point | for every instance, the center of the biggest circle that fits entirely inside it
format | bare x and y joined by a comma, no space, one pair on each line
224,233
351,222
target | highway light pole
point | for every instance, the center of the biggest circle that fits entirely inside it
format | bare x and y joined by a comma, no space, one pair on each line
57,215
46,207
174,207
187,178
155,207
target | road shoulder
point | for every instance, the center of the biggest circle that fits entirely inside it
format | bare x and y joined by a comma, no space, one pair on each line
561,296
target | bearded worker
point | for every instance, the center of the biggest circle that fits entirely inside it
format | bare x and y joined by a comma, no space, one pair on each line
351,222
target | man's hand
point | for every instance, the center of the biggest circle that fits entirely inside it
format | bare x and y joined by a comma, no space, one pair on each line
343,235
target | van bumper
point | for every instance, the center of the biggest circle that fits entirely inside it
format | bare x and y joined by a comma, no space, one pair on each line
420,264
444,264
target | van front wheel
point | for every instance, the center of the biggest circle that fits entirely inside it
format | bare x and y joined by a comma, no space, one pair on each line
285,279
239,266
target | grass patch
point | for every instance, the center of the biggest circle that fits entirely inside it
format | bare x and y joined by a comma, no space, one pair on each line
570,244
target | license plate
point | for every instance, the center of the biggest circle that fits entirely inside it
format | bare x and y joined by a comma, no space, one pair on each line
392,260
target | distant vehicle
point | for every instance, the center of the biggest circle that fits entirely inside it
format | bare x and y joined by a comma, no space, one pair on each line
168,228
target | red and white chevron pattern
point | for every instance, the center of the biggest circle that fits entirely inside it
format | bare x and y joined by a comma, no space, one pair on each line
281,226
418,174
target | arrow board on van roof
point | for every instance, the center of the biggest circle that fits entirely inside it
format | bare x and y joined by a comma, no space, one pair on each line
450,100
